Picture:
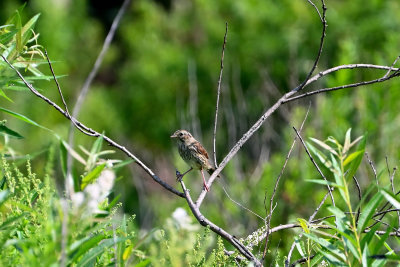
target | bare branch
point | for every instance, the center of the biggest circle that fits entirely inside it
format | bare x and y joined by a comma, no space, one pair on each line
359,197
353,85
218,95
321,44
349,66
213,227
373,168
93,133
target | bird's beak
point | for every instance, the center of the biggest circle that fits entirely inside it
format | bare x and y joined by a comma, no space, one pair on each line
173,136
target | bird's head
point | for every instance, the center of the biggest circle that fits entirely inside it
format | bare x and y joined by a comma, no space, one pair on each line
182,136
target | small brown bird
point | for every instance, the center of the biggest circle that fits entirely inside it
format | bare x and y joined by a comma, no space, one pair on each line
193,153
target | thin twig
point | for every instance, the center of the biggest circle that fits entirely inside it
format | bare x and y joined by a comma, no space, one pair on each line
218,95
321,44
271,202
316,165
359,198
391,67
373,168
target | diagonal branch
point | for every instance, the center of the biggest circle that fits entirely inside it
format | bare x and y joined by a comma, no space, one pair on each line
218,230
80,126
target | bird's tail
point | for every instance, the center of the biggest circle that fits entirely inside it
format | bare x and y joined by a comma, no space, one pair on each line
211,171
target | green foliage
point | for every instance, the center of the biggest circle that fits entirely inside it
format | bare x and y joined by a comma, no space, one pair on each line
355,238
32,226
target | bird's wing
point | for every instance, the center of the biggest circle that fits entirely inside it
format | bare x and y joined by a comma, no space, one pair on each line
197,147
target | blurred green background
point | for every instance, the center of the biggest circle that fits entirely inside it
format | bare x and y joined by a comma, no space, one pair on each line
160,74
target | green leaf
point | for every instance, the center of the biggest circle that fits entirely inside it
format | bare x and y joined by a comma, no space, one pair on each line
323,182
347,140
96,251
323,145
391,198
5,96
82,246
27,29
351,157
63,157
23,118
365,257
366,239
324,160
355,163
92,176
327,245
6,37
122,164
96,148
9,132
368,211
382,240
304,225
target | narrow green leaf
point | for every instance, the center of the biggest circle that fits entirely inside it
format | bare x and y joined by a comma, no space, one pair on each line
63,158
368,211
391,198
26,30
23,118
304,225
347,140
357,160
5,96
96,148
327,245
122,164
82,246
323,145
366,239
91,176
322,158
5,130
382,240
365,257
6,37
144,263
323,182
330,258
96,251
351,157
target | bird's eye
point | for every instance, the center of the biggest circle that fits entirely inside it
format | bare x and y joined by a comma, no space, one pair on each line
180,134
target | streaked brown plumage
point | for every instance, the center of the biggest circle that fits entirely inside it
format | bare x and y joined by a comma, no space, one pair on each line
193,153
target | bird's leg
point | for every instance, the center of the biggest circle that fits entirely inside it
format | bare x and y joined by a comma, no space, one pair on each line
204,181
179,176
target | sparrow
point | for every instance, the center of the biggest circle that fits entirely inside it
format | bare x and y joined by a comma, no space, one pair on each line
193,153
